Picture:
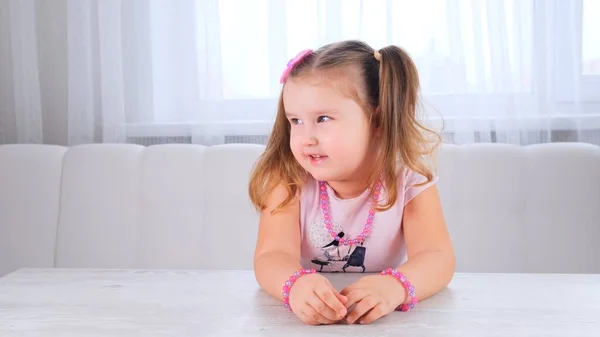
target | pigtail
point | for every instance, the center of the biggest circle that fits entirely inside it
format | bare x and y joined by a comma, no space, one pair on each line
403,138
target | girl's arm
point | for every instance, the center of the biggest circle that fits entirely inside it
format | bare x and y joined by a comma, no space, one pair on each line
429,268
431,262
277,257
277,253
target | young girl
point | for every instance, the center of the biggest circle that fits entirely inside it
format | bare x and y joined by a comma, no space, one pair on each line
343,186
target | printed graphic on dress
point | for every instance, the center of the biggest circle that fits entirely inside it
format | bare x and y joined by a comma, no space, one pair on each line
334,256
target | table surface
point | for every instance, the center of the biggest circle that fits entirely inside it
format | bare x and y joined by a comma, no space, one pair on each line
99,302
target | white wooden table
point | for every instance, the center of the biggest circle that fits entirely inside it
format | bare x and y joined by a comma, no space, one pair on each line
72,302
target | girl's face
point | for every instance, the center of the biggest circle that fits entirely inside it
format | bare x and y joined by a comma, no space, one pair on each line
331,136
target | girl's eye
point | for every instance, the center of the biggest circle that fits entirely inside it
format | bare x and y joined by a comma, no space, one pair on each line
323,118
295,121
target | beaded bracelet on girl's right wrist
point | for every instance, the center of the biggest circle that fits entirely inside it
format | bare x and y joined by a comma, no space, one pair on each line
290,282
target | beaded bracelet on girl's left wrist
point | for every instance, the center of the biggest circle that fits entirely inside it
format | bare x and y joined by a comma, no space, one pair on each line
287,287
407,285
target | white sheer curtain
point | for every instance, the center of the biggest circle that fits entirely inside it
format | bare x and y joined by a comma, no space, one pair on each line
205,71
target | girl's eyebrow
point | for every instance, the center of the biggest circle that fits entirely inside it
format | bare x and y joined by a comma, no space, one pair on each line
319,112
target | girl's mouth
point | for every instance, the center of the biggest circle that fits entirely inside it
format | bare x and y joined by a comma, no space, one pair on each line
316,159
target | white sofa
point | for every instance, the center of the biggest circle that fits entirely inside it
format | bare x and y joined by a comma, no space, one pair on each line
509,208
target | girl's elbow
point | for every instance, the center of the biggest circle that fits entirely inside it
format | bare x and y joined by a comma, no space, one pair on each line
450,263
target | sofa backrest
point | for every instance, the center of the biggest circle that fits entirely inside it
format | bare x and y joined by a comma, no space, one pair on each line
30,179
508,208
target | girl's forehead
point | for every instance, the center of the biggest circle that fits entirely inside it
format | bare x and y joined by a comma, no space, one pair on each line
300,96
303,99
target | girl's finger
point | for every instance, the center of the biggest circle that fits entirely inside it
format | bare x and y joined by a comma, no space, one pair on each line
341,297
327,305
307,318
354,297
314,316
328,296
362,307
373,314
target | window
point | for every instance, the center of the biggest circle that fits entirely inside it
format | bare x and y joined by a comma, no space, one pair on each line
477,60
590,52
577,52
459,46
590,55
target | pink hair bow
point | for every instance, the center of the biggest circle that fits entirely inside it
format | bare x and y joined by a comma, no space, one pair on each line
301,55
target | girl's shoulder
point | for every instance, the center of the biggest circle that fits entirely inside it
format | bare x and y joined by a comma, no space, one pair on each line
410,183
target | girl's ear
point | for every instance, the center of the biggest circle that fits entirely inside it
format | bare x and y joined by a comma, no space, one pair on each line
376,121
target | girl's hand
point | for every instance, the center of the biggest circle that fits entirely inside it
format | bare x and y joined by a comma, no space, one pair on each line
375,296
315,301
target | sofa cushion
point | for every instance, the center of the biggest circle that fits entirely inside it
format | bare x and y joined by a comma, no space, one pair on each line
30,177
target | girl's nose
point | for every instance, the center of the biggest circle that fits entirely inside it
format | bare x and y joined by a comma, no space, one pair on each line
310,141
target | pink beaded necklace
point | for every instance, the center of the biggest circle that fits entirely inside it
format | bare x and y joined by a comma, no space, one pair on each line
327,217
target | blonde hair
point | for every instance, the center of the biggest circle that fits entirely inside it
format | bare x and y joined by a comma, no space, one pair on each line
388,91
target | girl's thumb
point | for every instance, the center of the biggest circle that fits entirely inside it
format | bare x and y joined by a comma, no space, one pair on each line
341,297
